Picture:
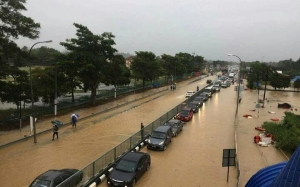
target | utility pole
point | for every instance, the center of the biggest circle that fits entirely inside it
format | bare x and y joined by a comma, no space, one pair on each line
266,80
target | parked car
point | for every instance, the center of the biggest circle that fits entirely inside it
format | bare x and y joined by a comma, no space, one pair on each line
155,85
199,100
189,93
176,125
194,106
218,83
224,85
52,178
216,88
228,82
204,96
208,81
209,90
160,138
185,114
129,169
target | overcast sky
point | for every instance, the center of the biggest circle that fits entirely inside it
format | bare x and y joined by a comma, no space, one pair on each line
254,30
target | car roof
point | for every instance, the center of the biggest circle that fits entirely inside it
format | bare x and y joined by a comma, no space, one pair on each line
194,102
174,121
133,156
162,128
50,175
187,108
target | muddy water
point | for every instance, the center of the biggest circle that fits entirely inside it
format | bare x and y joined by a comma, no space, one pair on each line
192,159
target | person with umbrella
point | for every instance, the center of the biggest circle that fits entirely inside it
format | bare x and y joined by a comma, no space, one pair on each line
74,118
55,127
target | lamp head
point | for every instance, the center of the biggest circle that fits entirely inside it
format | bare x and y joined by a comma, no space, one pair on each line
229,54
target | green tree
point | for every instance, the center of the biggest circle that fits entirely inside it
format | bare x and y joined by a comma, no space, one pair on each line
44,82
117,73
44,56
70,71
168,64
145,66
199,63
279,81
92,55
13,24
185,63
286,132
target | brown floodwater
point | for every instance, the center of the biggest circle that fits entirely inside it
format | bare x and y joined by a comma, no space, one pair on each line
194,158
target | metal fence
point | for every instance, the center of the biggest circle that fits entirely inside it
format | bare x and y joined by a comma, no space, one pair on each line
104,162
102,94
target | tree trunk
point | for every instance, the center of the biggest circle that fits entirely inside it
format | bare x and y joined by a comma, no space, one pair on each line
73,99
93,95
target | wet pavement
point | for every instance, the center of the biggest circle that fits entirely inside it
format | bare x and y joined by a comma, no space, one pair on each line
194,158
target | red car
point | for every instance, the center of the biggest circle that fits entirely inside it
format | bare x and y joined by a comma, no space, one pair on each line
185,114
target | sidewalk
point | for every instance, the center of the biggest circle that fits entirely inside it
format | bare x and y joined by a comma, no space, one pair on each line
45,125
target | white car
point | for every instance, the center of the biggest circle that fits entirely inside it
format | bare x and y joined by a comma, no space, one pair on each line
189,93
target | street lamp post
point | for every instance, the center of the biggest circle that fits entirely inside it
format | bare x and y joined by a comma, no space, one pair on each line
31,90
239,80
55,100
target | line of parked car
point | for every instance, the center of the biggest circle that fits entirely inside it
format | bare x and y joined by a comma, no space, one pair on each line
134,164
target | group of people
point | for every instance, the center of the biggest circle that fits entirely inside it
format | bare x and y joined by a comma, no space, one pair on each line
74,118
173,86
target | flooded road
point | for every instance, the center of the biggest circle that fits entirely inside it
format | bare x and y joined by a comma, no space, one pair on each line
194,158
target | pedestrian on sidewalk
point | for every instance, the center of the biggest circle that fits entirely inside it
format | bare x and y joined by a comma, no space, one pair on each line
55,131
74,118
142,130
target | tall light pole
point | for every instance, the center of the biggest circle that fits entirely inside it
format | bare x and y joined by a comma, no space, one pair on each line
31,90
239,80
55,100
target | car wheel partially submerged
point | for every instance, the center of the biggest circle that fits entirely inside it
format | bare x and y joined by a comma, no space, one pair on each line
165,147
148,166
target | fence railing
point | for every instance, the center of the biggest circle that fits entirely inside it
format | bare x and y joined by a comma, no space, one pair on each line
82,100
104,162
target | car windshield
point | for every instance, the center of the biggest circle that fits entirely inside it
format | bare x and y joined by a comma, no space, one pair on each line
126,166
40,183
159,135
184,113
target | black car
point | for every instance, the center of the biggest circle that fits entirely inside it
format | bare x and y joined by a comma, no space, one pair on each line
199,100
194,106
176,125
204,96
129,169
52,178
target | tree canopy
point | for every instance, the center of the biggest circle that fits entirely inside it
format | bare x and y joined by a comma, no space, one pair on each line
145,66
92,55
12,25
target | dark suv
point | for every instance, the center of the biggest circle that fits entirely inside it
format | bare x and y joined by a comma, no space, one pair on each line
194,105
204,96
53,178
199,100
160,138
